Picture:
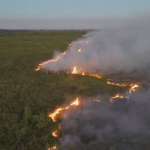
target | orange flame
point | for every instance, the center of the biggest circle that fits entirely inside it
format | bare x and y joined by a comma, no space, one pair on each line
117,84
95,75
79,50
133,87
76,102
55,133
41,65
117,96
75,70
58,110
83,73
48,61
53,115
53,148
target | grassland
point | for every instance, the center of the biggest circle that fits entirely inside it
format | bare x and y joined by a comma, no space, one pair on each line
26,96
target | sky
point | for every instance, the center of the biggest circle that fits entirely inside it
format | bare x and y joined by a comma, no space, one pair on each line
70,9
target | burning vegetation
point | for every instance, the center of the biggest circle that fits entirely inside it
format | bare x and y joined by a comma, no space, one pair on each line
27,96
58,110
99,56
54,115
77,70
53,148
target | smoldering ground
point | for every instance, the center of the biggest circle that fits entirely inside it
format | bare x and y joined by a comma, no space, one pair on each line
117,47
119,125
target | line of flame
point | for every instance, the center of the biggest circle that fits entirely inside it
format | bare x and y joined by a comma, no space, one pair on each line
48,61
118,84
133,86
83,73
53,115
40,66
117,96
58,110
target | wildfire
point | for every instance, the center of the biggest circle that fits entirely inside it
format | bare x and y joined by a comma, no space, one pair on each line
58,110
83,73
76,102
53,148
117,84
75,70
55,133
79,50
117,96
41,65
95,75
48,61
133,87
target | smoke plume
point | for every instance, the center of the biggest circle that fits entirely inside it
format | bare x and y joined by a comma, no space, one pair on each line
118,47
122,124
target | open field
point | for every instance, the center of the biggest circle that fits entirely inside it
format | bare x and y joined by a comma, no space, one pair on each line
26,96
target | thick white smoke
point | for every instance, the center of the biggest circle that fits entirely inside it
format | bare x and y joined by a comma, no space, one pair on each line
124,124
124,47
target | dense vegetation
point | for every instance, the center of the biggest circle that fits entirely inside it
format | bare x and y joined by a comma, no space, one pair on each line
26,96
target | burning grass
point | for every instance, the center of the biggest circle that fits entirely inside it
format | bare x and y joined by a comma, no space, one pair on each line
27,96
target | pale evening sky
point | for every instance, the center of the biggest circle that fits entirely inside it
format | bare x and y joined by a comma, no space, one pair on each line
24,10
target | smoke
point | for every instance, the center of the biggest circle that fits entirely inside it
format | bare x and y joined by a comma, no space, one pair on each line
117,47
122,124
